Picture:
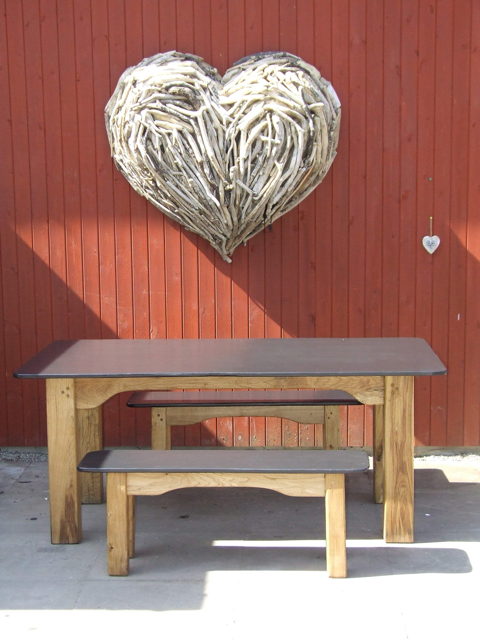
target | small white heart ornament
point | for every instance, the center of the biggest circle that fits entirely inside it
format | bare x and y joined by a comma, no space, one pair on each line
431,243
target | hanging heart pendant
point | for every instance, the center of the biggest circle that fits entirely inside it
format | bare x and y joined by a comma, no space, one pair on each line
431,243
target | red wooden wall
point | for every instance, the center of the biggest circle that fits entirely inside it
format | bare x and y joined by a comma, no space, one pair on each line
83,256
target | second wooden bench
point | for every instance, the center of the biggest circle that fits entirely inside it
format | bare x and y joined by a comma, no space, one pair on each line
177,408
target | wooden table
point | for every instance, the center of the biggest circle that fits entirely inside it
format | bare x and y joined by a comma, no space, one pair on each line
82,374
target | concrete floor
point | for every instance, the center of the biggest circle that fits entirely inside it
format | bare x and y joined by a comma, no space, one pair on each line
235,564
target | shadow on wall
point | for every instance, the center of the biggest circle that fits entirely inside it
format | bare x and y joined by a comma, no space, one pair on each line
38,307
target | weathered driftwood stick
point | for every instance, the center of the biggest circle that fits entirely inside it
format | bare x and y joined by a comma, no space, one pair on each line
223,157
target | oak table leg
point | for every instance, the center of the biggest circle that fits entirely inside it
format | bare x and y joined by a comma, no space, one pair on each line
398,458
64,487
89,423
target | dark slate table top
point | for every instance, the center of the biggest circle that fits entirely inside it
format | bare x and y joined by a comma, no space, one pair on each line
233,357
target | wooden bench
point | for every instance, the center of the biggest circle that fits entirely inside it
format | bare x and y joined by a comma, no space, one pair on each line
307,473
171,408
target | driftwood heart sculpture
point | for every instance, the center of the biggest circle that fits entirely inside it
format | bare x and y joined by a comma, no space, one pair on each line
224,157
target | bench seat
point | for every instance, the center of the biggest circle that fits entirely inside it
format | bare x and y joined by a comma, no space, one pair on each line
309,473
254,398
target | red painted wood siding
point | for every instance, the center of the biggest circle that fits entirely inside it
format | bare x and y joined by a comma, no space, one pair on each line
83,256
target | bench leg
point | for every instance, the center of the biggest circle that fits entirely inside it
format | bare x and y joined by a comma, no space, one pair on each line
89,422
117,524
378,448
331,428
335,525
160,429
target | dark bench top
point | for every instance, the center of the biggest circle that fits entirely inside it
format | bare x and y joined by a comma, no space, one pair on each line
111,358
271,397
226,461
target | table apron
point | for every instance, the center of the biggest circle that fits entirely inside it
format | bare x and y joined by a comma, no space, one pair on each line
93,392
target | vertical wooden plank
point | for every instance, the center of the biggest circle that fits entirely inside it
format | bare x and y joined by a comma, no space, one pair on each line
236,50
117,224
472,327
339,171
159,34
169,33
391,172
104,81
186,39
357,169
340,191
373,179
308,255
256,246
35,418
12,392
336,525
438,264
207,306
425,200
458,222
323,194
273,235
117,524
103,86
374,168
87,167
398,459
122,192
408,167
241,435
21,220
189,251
71,178
270,25
223,299
39,203
206,258
64,486
357,218
137,431
6,187
289,224
223,271
134,25
307,219
271,42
